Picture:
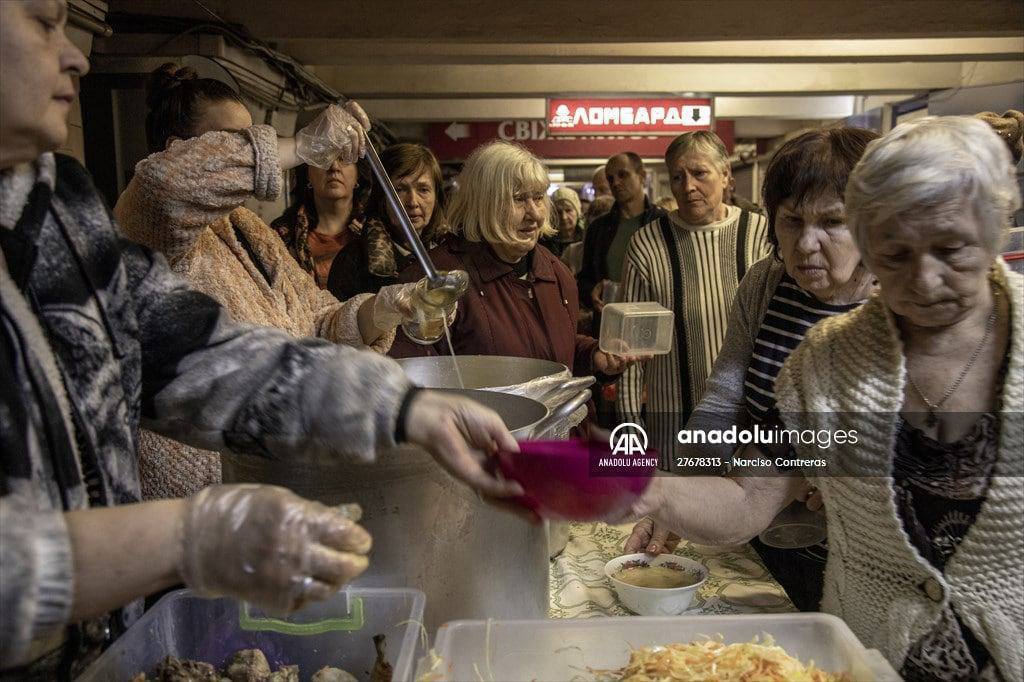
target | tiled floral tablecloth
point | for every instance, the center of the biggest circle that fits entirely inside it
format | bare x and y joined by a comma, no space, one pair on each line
738,582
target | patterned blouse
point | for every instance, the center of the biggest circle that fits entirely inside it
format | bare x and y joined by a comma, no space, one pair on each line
940,488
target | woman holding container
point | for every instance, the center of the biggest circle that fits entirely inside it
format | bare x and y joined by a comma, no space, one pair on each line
690,262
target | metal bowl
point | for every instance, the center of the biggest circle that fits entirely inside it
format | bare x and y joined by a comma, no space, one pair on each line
524,417
478,371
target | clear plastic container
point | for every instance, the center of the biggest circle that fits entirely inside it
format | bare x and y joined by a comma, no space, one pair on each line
636,329
552,650
323,634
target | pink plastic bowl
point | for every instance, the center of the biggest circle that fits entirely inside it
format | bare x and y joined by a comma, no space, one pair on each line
562,483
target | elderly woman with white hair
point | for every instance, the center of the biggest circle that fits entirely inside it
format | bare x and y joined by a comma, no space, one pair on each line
522,301
920,392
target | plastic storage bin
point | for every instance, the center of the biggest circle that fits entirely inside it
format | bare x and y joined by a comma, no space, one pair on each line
187,626
636,329
564,649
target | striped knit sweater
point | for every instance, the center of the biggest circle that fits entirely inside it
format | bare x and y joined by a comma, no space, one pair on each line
850,374
694,271
791,312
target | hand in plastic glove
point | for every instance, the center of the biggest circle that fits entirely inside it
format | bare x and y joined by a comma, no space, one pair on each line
399,303
462,436
651,537
392,305
338,132
268,546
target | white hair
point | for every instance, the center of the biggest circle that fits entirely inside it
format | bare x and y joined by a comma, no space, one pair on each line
492,175
931,167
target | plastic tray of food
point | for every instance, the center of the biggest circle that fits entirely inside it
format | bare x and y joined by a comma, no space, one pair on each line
643,328
335,633
595,648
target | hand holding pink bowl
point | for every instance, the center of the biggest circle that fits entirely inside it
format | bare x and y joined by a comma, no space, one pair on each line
562,481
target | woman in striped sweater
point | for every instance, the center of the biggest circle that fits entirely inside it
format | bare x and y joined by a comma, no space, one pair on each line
815,273
690,261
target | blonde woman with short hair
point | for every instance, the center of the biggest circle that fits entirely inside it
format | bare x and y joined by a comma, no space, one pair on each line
522,301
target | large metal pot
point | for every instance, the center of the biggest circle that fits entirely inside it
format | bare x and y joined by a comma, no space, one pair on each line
549,382
543,380
430,532
524,417
492,372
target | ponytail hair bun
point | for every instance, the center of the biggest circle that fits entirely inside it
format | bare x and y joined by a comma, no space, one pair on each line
165,79
175,97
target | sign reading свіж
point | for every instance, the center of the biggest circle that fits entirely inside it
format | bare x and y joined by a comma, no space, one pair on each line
628,116
454,141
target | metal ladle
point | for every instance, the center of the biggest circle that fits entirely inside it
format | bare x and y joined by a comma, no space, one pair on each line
444,287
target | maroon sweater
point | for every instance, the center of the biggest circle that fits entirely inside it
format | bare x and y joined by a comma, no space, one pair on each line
502,314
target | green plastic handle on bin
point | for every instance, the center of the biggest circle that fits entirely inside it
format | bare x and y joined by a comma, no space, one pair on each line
354,621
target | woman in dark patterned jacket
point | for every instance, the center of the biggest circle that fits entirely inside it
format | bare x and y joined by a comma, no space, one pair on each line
98,336
327,212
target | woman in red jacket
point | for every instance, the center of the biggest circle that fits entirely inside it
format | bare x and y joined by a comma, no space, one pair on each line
522,301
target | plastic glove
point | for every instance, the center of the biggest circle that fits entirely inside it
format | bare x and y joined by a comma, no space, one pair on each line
268,546
399,303
392,305
338,132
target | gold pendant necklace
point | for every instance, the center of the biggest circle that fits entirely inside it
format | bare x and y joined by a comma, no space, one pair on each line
932,419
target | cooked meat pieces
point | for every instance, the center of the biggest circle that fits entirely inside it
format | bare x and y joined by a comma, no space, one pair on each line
332,675
381,668
248,665
286,673
173,669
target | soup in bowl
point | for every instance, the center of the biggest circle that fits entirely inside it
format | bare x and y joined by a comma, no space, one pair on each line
655,585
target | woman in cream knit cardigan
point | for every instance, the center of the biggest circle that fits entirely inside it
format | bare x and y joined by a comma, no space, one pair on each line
926,507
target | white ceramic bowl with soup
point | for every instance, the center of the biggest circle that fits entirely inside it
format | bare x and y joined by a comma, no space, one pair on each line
661,585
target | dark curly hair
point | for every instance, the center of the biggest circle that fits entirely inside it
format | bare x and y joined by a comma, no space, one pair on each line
812,164
175,97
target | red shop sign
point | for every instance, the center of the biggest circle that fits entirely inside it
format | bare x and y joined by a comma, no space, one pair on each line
454,141
628,116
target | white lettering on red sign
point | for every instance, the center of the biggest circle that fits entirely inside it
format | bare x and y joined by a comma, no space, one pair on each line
512,131
626,115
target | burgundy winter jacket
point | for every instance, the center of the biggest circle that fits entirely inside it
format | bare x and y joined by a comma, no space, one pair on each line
502,314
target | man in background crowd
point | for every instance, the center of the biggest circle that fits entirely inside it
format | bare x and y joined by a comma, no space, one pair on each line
604,246
604,249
